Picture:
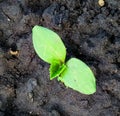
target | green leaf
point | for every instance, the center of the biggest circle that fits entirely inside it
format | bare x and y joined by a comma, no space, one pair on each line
48,45
56,69
79,77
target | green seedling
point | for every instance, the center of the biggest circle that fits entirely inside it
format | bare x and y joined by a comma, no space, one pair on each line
74,73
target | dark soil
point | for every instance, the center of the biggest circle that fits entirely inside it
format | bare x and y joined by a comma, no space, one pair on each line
90,32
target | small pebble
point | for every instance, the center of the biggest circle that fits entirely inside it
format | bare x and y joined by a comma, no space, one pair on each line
30,97
101,2
8,19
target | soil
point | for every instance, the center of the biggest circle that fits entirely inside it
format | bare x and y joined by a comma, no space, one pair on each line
90,32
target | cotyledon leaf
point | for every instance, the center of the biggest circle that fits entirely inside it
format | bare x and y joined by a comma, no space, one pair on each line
48,44
56,69
79,77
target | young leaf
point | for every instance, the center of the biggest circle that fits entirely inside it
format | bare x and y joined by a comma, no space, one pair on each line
56,69
48,45
78,76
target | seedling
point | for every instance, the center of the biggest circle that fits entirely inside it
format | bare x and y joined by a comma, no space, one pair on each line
74,73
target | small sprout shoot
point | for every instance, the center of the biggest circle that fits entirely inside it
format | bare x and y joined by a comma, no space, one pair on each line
74,73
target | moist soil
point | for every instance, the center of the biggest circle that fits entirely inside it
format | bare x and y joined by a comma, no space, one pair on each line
89,31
